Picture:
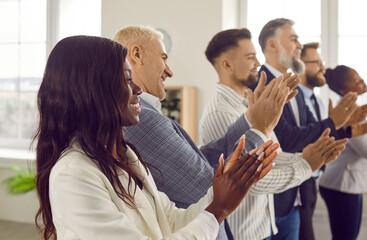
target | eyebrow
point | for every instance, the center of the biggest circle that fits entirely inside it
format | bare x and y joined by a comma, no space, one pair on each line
294,35
249,54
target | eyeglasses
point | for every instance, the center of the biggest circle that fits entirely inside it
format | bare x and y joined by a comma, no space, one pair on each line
319,62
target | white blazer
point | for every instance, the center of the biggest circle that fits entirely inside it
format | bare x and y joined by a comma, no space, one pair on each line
85,206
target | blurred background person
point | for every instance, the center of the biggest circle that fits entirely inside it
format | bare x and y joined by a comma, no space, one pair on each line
345,180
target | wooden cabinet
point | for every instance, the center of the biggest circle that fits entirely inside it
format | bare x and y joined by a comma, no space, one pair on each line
180,105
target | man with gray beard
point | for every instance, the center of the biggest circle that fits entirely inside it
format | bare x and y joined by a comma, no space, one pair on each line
297,127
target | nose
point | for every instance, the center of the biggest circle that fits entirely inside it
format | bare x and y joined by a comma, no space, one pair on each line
257,62
168,71
136,89
299,45
323,69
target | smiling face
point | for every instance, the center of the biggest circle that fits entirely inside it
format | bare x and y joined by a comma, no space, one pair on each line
154,69
355,83
245,63
131,112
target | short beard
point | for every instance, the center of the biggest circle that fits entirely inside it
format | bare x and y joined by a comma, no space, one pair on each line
250,81
314,81
296,65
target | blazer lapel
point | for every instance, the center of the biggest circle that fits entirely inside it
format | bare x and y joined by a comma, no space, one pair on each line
301,105
287,107
144,207
289,113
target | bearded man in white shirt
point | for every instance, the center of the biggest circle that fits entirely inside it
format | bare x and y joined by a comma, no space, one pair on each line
233,56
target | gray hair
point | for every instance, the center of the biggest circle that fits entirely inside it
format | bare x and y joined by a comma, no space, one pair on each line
140,35
271,29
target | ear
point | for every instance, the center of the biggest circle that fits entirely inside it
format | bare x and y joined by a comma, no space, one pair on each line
272,45
226,64
136,54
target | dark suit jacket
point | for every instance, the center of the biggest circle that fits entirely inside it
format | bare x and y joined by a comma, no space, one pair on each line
293,139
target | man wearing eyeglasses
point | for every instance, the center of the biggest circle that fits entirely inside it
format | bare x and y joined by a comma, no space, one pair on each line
313,77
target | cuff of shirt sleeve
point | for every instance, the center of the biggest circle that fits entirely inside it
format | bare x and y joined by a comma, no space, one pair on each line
308,166
208,223
259,133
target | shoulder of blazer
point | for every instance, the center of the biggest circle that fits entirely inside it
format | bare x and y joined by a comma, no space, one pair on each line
148,110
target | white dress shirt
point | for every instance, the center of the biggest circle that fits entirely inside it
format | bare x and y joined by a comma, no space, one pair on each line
152,100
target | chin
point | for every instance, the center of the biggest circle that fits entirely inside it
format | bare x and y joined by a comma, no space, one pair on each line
363,91
322,82
131,122
162,95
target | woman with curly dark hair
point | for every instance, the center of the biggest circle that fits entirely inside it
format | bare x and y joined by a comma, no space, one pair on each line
94,185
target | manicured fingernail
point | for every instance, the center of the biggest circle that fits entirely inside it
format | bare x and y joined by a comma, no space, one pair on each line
261,156
221,156
259,168
252,151
243,136
260,151
273,164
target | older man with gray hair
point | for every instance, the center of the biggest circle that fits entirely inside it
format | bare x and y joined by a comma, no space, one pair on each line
297,127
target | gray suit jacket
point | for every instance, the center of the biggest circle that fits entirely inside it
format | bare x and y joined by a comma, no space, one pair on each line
179,168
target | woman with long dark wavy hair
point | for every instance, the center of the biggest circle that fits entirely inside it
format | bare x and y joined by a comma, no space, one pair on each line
94,185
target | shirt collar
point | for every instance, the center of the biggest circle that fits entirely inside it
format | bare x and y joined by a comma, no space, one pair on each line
152,100
231,95
306,91
273,70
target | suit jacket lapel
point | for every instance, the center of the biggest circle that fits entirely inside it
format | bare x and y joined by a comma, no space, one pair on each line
287,107
289,111
301,105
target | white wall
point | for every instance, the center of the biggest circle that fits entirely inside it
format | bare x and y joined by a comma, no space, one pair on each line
190,23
